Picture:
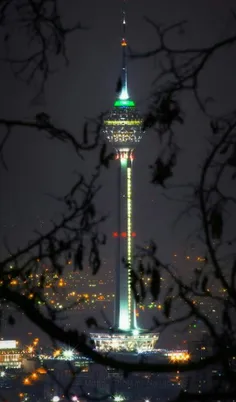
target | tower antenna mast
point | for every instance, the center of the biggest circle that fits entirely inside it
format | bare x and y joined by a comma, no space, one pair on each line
124,18
124,88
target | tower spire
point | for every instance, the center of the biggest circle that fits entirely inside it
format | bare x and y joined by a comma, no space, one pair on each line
124,88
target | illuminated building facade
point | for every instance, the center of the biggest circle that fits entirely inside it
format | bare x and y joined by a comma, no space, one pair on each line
10,355
125,342
123,129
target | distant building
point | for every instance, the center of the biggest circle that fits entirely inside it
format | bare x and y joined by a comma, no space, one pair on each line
10,355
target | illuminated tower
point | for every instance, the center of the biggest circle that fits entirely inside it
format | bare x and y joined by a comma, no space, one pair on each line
123,129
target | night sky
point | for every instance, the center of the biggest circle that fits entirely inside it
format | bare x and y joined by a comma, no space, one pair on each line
86,87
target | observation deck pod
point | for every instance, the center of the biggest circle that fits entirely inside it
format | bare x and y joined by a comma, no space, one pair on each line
123,125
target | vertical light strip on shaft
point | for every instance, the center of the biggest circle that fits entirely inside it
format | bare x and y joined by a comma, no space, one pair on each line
129,238
124,315
118,262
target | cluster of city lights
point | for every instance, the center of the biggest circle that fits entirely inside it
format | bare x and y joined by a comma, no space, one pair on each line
66,354
23,397
181,356
30,349
56,398
35,376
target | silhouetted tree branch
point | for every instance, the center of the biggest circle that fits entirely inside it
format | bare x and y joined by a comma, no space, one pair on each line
43,33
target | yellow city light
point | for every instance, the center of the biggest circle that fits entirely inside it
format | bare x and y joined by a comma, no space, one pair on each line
26,381
56,352
179,357
42,370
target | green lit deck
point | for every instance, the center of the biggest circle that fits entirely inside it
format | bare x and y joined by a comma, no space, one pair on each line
124,103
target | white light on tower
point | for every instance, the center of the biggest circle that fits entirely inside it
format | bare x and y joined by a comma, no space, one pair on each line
124,94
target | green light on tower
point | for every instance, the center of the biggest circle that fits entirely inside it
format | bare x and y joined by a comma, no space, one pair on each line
124,103
123,162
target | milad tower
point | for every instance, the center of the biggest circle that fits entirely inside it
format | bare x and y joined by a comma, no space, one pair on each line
123,129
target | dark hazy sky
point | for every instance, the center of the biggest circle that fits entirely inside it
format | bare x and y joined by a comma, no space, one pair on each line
87,87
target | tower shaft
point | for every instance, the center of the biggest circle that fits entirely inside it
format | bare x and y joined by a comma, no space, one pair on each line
125,318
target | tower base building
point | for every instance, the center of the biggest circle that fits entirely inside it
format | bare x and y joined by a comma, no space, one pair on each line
127,342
